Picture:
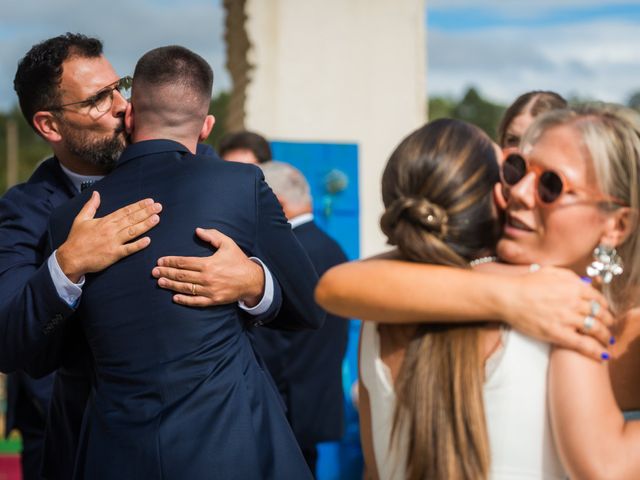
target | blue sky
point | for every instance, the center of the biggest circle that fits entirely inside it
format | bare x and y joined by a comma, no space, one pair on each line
584,48
458,17
587,48
127,28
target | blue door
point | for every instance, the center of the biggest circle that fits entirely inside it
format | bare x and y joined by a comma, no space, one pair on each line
332,172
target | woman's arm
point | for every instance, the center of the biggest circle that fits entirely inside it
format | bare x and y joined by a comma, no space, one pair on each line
593,439
550,304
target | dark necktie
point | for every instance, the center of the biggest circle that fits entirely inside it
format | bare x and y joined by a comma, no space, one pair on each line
86,184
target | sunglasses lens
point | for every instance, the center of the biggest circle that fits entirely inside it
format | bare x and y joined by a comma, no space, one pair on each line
549,186
514,169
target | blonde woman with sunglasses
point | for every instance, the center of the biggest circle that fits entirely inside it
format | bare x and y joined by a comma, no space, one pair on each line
573,191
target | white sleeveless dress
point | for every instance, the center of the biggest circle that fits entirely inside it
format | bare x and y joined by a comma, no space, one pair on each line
515,401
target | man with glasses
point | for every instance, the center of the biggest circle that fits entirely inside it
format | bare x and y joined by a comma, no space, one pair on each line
71,96
86,144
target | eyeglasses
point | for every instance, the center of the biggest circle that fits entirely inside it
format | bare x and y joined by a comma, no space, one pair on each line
550,185
103,100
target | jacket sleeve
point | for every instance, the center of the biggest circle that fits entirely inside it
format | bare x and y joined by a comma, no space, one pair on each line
279,249
31,312
270,314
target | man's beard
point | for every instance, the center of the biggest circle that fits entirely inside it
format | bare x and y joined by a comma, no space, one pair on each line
102,152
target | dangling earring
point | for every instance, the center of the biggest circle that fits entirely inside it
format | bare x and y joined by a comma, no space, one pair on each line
606,264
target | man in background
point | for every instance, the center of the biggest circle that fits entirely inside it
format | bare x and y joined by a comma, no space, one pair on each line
306,365
245,147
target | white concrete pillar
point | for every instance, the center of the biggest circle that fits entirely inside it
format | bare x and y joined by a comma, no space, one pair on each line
339,71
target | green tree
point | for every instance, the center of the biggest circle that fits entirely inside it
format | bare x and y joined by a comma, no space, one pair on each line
479,111
441,107
574,99
634,101
472,108
218,108
31,147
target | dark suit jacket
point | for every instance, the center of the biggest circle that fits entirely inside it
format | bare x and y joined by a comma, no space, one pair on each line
30,309
178,391
38,332
307,366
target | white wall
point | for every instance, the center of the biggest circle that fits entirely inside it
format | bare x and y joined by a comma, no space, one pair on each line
343,71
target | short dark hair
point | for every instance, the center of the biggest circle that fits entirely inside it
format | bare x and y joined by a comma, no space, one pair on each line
40,70
246,140
175,64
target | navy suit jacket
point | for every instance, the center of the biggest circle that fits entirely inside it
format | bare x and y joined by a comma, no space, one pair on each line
38,331
178,391
307,366
30,308
31,312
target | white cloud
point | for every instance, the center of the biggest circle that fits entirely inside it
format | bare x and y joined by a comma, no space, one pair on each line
128,29
599,60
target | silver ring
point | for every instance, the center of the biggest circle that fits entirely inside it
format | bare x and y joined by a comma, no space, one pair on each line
588,323
595,308
193,289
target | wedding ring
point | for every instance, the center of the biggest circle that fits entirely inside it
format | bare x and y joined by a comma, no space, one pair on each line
193,289
588,323
595,308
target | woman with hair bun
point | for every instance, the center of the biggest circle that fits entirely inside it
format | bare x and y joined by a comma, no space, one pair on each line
425,388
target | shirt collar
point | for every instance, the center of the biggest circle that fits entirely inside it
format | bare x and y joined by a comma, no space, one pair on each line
77,179
150,147
301,220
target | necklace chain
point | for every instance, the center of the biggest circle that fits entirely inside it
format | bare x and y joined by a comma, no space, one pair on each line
481,260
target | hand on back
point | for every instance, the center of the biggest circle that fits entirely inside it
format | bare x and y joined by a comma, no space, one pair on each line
94,244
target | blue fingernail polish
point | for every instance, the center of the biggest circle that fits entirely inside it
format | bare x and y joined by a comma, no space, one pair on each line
586,279
604,356
612,340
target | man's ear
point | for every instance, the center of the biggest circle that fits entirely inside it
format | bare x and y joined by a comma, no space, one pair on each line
619,226
207,126
498,196
47,125
128,118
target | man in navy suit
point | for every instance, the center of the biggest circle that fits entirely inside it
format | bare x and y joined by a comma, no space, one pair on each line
31,306
307,366
178,391
72,97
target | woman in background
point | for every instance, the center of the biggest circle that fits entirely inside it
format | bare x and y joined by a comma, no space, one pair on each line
522,112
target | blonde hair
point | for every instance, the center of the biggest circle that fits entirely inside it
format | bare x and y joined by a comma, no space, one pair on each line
611,136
